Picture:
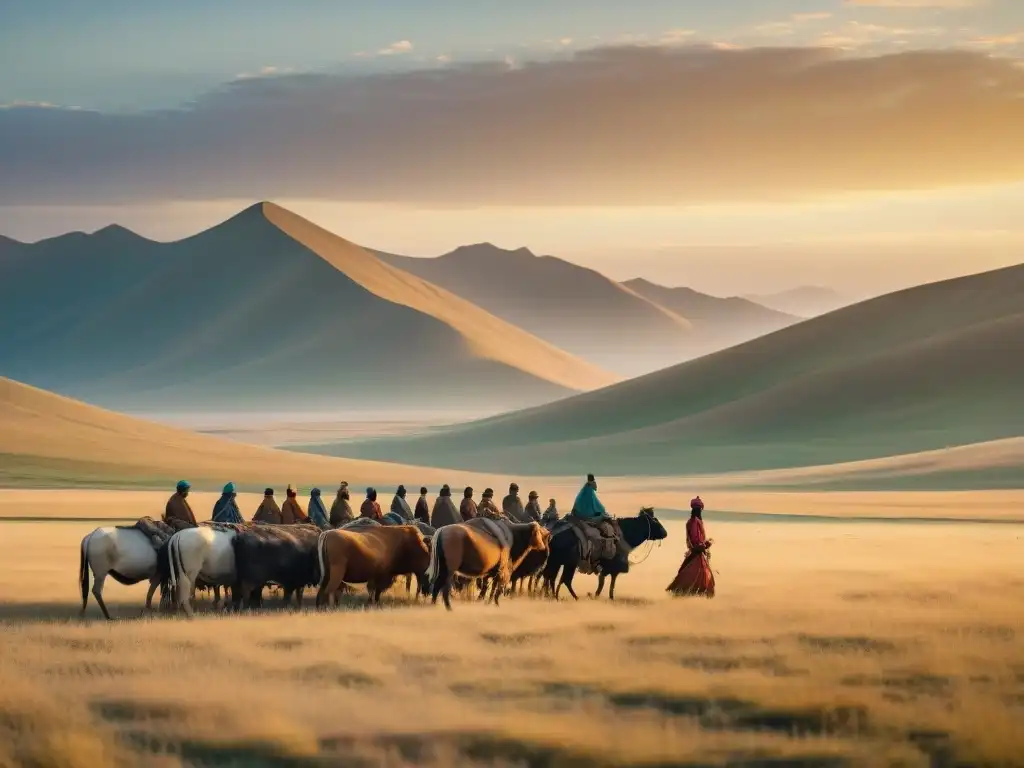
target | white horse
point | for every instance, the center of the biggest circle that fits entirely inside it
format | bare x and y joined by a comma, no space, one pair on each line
126,554
200,553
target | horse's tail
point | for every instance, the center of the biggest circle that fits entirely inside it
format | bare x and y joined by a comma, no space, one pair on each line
321,544
437,560
174,564
83,571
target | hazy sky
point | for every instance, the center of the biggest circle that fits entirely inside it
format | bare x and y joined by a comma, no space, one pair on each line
862,143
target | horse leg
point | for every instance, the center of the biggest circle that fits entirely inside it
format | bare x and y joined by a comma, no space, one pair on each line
216,596
330,585
600,584
97,592
154,582
408,583
483,584
298,598
611,587
567,573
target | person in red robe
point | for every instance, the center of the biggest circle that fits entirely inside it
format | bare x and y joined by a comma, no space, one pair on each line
694,576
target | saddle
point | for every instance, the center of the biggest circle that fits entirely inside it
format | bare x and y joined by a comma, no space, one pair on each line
598,539
157,531
500,533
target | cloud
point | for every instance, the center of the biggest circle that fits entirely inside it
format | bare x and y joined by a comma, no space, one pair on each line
948,4
619,126
402,46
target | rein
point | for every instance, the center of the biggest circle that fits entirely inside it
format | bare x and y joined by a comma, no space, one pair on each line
649,541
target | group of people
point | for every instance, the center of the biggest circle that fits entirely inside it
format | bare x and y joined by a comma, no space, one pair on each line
693,578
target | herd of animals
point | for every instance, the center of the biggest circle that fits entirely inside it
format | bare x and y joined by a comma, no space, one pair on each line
492,552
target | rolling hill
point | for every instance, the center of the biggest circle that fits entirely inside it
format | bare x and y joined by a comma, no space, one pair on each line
718,322
263,312
574,308
920,369
803,301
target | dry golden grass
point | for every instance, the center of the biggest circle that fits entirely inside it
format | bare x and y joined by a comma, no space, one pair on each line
829,644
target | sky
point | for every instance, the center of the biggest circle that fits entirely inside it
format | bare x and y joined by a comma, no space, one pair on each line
731,144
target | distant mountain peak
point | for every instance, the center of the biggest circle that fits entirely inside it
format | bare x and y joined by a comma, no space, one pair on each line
489,250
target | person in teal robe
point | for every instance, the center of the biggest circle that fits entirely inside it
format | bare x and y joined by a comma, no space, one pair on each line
225,510
317,511
587,506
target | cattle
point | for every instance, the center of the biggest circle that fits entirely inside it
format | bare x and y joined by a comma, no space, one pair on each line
285,555
478,549
566,552
374,556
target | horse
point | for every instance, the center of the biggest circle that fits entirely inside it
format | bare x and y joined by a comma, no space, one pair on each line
481,548
566,553
374,556
393,518
204,553
126,554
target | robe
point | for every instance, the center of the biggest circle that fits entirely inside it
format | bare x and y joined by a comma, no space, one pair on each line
467,509
401,508
341,512
225,510
178,513
371,510
268,512
550,516
317,513
694,576
487,508
444,512
422,510
587,506
512,507
533,510
292,512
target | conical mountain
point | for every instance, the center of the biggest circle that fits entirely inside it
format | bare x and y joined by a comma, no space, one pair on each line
264,311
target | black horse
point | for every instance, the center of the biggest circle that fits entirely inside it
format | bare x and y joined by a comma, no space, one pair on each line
565,553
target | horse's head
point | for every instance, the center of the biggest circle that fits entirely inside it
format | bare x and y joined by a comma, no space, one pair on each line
654,530
540,537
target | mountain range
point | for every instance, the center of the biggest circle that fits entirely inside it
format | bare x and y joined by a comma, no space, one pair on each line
265,311
629,328
921,369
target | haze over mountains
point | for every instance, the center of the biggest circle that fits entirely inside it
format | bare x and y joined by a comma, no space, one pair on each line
265,311
804,300
629,328
925,368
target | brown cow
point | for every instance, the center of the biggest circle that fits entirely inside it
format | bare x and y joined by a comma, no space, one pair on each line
478,549
374,556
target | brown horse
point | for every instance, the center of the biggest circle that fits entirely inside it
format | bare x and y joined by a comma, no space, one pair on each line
479,549
374,556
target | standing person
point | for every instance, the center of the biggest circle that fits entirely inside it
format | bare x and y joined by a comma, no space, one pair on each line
317,513
341,509
370,507
225,509
444,512
268,511
292,512
512,505
423,507
400,506
533,507
468,507
178,513
694,576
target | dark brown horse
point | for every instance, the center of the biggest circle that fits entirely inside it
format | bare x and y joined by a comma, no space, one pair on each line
374,556
481,549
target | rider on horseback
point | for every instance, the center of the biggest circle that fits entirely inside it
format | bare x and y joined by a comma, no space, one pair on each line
588,515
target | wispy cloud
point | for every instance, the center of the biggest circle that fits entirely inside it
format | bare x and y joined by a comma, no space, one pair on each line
401,46
619,125
951,4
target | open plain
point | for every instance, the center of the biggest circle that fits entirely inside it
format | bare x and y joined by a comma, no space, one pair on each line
852,643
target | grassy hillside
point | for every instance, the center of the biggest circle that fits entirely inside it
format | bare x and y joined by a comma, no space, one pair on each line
574,308
262,311
915,370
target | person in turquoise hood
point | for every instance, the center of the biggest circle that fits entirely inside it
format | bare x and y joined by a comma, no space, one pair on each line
225,510
317,511
597,525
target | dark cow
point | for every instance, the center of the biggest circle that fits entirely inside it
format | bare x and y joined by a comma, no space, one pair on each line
284,555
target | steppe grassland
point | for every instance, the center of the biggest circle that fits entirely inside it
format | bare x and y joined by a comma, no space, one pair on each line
828,644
